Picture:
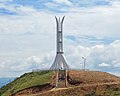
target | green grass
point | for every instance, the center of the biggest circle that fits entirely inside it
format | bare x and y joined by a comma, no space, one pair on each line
27,80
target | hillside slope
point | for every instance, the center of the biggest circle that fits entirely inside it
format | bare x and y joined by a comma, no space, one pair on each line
81,81
91,77
103,89
26,81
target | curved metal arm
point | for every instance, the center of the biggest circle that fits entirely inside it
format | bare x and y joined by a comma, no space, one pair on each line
59,23
62,19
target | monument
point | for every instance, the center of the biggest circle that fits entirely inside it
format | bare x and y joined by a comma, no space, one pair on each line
60,64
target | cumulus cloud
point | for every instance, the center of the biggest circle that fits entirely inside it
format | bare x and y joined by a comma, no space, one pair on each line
30,37
34,59
95,55
66,2
13,68
115,3
104,65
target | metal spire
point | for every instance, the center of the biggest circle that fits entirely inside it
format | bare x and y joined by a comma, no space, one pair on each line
59,62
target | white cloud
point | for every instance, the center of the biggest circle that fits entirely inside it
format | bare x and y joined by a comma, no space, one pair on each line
115,3
6,0
34,59
104,65
96,56
30,37
66,2
59,5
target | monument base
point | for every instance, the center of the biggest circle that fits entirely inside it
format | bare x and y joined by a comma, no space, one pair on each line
61,77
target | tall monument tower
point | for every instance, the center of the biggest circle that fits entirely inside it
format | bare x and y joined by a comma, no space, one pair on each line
59,62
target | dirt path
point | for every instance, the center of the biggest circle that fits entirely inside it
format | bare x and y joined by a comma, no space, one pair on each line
83,85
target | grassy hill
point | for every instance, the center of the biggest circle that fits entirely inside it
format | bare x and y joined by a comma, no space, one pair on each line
80,83
27,80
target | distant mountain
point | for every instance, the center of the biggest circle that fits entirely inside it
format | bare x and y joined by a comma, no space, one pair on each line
4,81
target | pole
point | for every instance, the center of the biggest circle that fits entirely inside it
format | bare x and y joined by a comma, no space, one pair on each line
57,77
84,62
66,78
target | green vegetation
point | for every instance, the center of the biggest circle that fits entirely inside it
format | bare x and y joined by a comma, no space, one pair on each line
27,80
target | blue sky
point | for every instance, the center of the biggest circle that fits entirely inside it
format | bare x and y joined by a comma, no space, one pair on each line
56,6
28,30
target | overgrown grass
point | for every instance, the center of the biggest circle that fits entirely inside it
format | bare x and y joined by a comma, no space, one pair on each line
25,81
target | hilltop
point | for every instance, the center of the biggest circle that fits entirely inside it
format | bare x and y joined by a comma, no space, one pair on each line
92,77
80,83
